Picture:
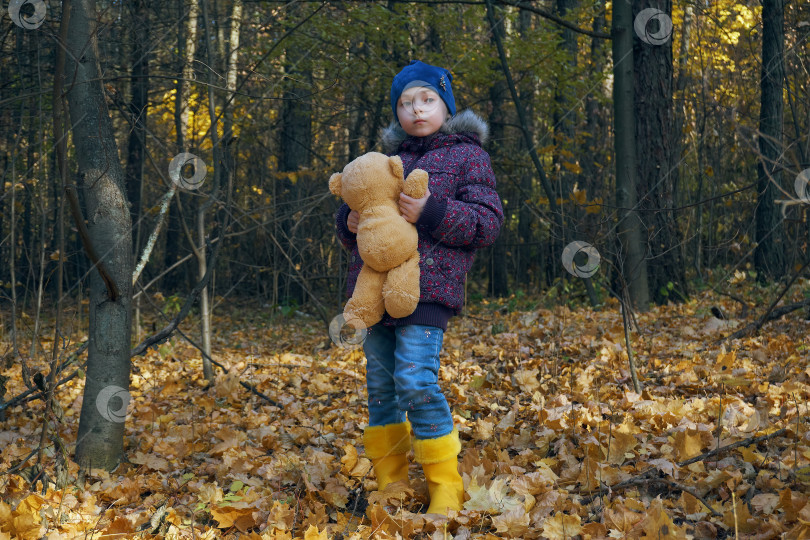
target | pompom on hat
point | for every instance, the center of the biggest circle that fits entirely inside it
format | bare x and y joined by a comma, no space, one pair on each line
417,73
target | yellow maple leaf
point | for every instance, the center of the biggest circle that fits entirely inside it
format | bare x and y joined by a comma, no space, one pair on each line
25,519
231,438
483,429
591,531
30,505
381,521
210,494
394,493
657,523
349,459
228,387
514,522
749,455
688,444
479,497
5,514
725,361
589,475
312,533
562,526
281,516
535,482
665,466
26,527
335,493
623,441
578,196
493,499
737,517
156,463
503,502
230,516
765,503
620,518
595,206
527,380
121,527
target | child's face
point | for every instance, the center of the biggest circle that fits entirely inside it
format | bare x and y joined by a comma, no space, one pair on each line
421,111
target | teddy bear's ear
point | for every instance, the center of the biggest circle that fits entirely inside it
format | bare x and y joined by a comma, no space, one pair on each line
396,167
334,183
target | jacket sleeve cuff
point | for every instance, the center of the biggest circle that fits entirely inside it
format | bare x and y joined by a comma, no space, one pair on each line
432,213
343,228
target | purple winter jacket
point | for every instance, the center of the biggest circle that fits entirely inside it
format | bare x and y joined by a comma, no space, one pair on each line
462,214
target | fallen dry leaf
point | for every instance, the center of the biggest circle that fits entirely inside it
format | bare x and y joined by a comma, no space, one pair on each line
546,414
562,526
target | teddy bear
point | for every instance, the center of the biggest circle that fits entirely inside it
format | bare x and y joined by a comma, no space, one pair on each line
389,279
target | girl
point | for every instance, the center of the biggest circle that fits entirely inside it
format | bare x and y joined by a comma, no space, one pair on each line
460,214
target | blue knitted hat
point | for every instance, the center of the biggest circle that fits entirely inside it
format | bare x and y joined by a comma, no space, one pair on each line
420,74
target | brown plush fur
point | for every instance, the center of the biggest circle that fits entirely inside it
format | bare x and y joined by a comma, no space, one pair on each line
389,280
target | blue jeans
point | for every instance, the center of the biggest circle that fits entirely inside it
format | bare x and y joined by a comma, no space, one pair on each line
402,377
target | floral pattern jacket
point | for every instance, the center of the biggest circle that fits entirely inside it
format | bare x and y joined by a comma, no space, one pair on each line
462,214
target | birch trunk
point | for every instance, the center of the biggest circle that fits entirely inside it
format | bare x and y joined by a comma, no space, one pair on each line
187,44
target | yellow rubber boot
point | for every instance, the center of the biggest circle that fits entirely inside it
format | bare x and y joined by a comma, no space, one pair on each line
387,447
439,460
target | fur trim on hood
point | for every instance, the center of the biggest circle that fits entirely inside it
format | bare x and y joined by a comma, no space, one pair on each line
465,121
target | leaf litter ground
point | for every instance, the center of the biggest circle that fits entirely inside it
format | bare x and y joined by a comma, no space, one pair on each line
555,442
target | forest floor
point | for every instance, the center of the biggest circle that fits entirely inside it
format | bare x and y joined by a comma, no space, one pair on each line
556,444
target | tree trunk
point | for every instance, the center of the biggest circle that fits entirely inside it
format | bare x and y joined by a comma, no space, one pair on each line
136,146
187,44
681,120
139,89
295,146
658,142
594,136
527,136
565,111
529,264
769,253
632,264
498,281
296,116
101,426
230,66
4,160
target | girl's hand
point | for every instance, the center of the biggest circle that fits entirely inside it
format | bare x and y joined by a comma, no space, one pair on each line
353,221
411,208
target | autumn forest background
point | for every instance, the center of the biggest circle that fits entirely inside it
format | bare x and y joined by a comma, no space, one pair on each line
632,358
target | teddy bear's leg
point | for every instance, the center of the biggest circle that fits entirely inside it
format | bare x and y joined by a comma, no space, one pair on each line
366,303
401,288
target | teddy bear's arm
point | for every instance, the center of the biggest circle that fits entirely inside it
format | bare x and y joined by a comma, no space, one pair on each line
416,184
